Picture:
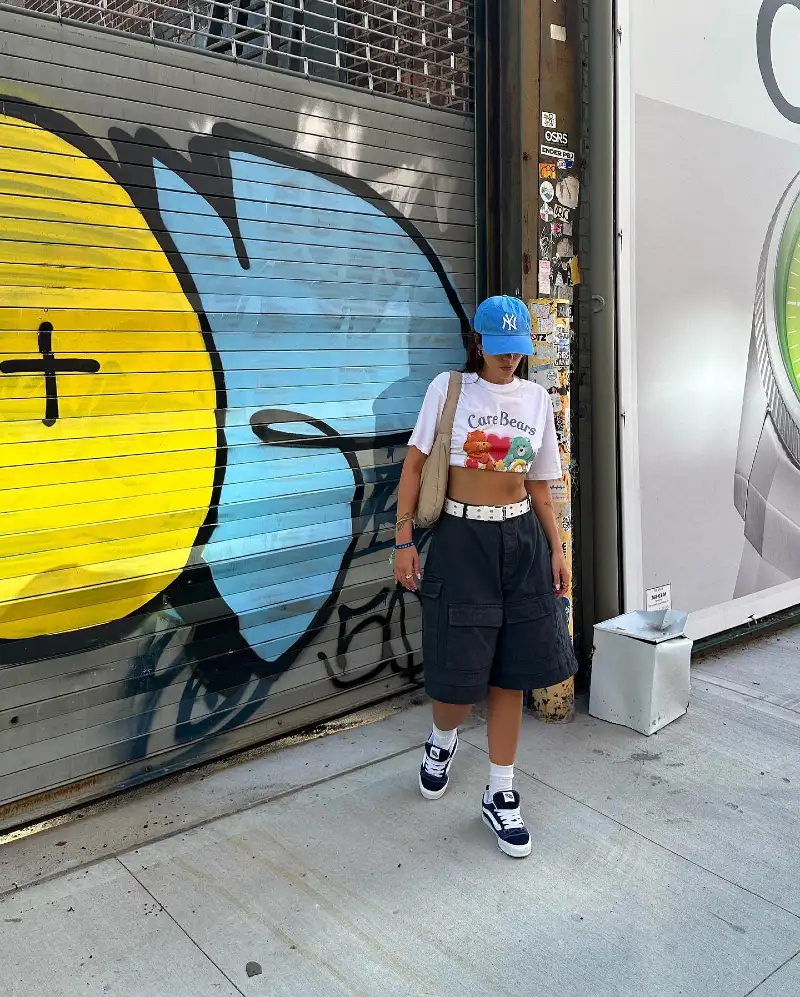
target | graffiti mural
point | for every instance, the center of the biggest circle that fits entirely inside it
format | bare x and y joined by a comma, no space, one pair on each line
70,563
210,362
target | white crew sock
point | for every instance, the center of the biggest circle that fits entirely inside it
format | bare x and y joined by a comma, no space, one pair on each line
501,777
443,738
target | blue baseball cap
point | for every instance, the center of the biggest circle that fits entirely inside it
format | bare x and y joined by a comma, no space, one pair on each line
504,325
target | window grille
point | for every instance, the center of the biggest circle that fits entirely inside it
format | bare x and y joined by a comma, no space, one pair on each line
420,50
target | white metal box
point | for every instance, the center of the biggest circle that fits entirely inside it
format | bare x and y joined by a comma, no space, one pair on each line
640,670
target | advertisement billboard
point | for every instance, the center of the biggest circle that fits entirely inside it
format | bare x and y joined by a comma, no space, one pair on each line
708,305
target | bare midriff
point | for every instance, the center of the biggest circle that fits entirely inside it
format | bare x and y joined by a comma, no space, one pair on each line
476,487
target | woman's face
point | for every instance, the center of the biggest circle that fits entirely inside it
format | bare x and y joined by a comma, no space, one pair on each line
502,366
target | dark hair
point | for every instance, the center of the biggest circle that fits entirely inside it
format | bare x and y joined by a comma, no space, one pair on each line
474,364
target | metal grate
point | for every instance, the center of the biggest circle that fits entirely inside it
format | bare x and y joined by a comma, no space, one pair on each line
420,50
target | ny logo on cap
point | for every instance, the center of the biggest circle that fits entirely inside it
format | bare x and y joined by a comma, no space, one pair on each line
510,322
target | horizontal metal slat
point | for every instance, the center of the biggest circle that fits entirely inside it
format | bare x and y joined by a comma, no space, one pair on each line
84,88
45,715
166,756
34,658
277,712
291,185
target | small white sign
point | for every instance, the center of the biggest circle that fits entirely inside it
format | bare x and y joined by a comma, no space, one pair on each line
549,120
658,599
558,32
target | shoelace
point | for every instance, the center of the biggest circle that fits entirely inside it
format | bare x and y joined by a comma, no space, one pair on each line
434,768
511,819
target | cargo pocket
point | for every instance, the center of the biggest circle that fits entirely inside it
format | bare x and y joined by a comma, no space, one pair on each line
472,632
530,639
430,592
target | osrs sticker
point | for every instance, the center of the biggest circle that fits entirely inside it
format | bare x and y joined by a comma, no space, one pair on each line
556,138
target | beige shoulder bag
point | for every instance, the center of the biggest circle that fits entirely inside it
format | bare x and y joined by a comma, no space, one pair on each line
435,470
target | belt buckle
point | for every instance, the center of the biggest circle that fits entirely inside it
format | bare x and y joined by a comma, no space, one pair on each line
505,507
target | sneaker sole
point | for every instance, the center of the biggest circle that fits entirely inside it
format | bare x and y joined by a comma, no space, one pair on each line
432,794
514,851
436,794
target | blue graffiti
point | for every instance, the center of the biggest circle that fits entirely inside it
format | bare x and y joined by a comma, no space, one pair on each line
334,313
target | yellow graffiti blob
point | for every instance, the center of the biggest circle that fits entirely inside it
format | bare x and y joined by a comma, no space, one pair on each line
107,396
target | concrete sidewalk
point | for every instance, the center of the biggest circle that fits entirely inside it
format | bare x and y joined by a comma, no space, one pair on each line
661,867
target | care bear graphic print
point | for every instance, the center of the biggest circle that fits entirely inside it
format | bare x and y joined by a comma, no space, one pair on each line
497,427
489,452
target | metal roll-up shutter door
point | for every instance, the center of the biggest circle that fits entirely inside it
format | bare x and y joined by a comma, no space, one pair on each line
224,287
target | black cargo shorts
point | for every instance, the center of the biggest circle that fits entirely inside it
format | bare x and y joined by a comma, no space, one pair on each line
489,613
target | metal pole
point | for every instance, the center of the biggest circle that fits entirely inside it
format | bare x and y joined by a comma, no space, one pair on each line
551,192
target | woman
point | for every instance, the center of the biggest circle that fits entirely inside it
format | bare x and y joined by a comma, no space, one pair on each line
491,613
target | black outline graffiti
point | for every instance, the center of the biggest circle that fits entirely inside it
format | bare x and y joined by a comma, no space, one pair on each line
201,171
262,423
221,680
337,667
766,20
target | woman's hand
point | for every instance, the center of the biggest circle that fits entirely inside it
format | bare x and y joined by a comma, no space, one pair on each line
406,568
561,573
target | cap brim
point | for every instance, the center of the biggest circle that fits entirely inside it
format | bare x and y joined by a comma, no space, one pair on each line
496,345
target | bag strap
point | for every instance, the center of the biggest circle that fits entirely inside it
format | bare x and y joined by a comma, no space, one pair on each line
451,403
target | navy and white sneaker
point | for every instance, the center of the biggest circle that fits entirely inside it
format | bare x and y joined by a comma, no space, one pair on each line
501,814
434,772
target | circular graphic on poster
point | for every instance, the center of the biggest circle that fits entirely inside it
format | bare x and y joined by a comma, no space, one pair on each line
767,480
786,328
776,322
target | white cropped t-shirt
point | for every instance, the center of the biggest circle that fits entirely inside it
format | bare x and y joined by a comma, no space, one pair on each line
497,427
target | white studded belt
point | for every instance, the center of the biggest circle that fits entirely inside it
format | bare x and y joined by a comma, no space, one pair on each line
487,513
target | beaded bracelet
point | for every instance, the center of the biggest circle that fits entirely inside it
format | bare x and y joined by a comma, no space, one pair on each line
400,547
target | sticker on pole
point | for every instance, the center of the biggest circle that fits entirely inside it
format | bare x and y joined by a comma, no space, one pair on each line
549,120
552,152
658,598
547,191
568,192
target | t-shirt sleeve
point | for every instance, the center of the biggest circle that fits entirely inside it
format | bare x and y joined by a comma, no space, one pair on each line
546,465
424,432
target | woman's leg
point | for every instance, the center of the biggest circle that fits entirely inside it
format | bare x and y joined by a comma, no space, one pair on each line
448,717
441,746
500,802
462,570
504,722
